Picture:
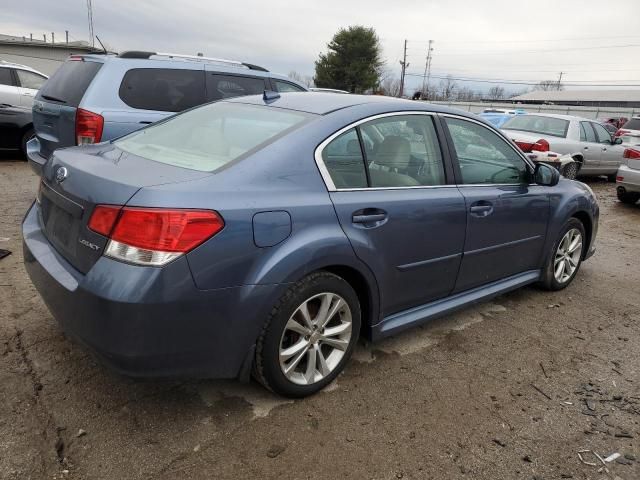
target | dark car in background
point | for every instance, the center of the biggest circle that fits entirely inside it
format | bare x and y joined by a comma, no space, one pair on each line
93,98
266,234
16,127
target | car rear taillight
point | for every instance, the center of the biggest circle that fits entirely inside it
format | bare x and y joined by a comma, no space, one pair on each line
620,132
153,236
89,127
540,146
619,179
631,153
524,146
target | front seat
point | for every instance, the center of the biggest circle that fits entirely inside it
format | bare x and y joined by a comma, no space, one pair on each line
390,162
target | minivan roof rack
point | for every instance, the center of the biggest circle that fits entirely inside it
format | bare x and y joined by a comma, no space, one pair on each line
146,55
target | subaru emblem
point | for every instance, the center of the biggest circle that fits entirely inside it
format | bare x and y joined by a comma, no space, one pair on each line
61,174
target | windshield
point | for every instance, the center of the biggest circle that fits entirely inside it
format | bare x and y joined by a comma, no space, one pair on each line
209,137
556,127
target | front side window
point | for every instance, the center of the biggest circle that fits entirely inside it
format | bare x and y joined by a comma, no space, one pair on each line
286,86
30,80
162,89
212,136
483,156
221,86
556,127
603,135
586,132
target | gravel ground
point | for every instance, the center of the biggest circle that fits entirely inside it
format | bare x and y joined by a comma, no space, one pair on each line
510,389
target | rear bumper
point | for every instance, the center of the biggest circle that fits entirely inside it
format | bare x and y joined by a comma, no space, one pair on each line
630,179
145,321
36,161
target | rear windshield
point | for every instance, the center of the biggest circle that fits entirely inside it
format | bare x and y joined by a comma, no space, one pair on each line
69,82
633,124
209,137
556,127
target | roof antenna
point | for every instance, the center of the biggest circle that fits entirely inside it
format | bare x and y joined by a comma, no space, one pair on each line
270,96
101,44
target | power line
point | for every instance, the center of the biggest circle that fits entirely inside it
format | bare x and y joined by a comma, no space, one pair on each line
519,52
475,42
512,82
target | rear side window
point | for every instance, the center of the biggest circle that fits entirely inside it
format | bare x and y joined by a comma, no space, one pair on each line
287,87
69,83
210,137
556,127
162,89
586,132
30,80
633,124
5,77
227,86
344,161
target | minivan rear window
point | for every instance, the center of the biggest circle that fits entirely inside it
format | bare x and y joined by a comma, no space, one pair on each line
212,136
69,83
163,89
556,127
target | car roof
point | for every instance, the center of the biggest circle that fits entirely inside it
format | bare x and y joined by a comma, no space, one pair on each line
560,116
322,103
4,64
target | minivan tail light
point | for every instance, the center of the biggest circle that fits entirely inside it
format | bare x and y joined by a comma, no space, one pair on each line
153,236
540,146
631,153
89,127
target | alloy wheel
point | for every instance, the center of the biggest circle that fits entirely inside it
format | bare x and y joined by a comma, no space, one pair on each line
568,256
315,338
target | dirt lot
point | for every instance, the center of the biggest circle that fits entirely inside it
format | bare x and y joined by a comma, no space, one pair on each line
511,389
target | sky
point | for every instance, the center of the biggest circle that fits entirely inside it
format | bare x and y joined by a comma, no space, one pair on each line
591,42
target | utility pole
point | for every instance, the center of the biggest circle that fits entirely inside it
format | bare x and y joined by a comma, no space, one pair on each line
559,80
427,73
404,67
66,36
90,20
53,37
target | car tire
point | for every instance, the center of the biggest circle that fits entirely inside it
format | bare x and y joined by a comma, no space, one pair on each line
562,265
628,197
570,171
28,135
296,324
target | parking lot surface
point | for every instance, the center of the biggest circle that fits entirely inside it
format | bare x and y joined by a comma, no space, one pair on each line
514,388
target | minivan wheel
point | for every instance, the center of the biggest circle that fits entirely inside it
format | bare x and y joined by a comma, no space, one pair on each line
309,336
566,256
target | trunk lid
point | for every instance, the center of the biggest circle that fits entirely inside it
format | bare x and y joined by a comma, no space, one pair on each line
75,180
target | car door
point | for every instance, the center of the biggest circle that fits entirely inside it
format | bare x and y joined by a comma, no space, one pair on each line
386,179
29,84
9,91
590,147
506,216
610,154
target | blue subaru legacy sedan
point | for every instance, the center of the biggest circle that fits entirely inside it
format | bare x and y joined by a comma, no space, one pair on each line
264,235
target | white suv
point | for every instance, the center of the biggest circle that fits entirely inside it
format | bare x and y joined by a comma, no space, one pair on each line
19,84
630,131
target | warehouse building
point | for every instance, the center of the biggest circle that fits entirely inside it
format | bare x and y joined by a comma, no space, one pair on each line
586,98
42,55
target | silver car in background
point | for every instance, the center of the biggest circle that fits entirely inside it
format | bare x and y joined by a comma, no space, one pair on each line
628,177
594,149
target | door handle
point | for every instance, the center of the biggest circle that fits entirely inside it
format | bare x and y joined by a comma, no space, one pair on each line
144,122
481,209
369,217
586,148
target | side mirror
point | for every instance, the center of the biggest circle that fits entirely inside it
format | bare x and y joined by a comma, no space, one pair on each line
546,175
616,141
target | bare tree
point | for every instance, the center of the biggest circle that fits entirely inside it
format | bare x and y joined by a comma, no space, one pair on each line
546,85
447,87
304,79
390,86
465,94
517,94
496,93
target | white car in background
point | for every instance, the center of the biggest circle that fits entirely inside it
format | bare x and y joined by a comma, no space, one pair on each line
630,131
628,177
592,147
19,84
